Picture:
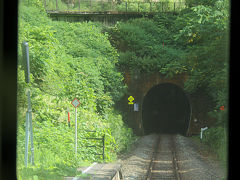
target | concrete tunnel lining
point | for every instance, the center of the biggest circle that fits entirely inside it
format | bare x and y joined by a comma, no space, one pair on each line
166,109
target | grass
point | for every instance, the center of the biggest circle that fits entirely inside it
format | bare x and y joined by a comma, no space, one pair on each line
48,164
55,172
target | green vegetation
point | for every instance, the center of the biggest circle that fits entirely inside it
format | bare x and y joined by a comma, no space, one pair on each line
85,60
215,141
67,61
148,46
207,34
193,42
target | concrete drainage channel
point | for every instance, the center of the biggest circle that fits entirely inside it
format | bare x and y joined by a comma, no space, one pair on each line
109,171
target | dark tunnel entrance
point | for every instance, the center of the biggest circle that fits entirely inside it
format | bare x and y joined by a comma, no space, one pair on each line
166,109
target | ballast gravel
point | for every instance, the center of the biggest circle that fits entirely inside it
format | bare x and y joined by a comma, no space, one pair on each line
136,163
193,161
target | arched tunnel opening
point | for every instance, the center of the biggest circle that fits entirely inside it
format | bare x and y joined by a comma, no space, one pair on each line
166,109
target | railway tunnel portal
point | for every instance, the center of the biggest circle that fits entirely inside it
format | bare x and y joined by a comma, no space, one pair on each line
166,109
161,105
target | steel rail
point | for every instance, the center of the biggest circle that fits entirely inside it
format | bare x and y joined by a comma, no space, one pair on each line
154,155
174,159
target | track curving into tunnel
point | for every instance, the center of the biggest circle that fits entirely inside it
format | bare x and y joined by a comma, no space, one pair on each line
166,109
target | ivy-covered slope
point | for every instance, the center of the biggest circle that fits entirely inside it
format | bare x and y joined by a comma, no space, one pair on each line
147,46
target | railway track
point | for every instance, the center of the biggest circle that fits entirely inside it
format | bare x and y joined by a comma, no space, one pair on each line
164,164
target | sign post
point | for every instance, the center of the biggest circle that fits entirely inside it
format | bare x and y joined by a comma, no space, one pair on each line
76,103
76,131
201,134
68,117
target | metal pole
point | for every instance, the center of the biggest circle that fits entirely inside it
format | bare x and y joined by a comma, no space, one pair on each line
110,2
103,146
56,4
26,63
31,138
30,126
201,134
90,5
45,6
26,139
29,130
68,114
76,132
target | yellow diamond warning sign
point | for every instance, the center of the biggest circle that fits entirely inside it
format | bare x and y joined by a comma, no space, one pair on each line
131,99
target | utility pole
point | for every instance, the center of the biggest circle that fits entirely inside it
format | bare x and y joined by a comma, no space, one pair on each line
28,128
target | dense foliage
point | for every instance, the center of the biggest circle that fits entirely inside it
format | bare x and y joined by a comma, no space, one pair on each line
194,42
147,46
67,61
71,60
206,38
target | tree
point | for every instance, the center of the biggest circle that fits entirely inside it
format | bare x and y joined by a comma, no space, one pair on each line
206,38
